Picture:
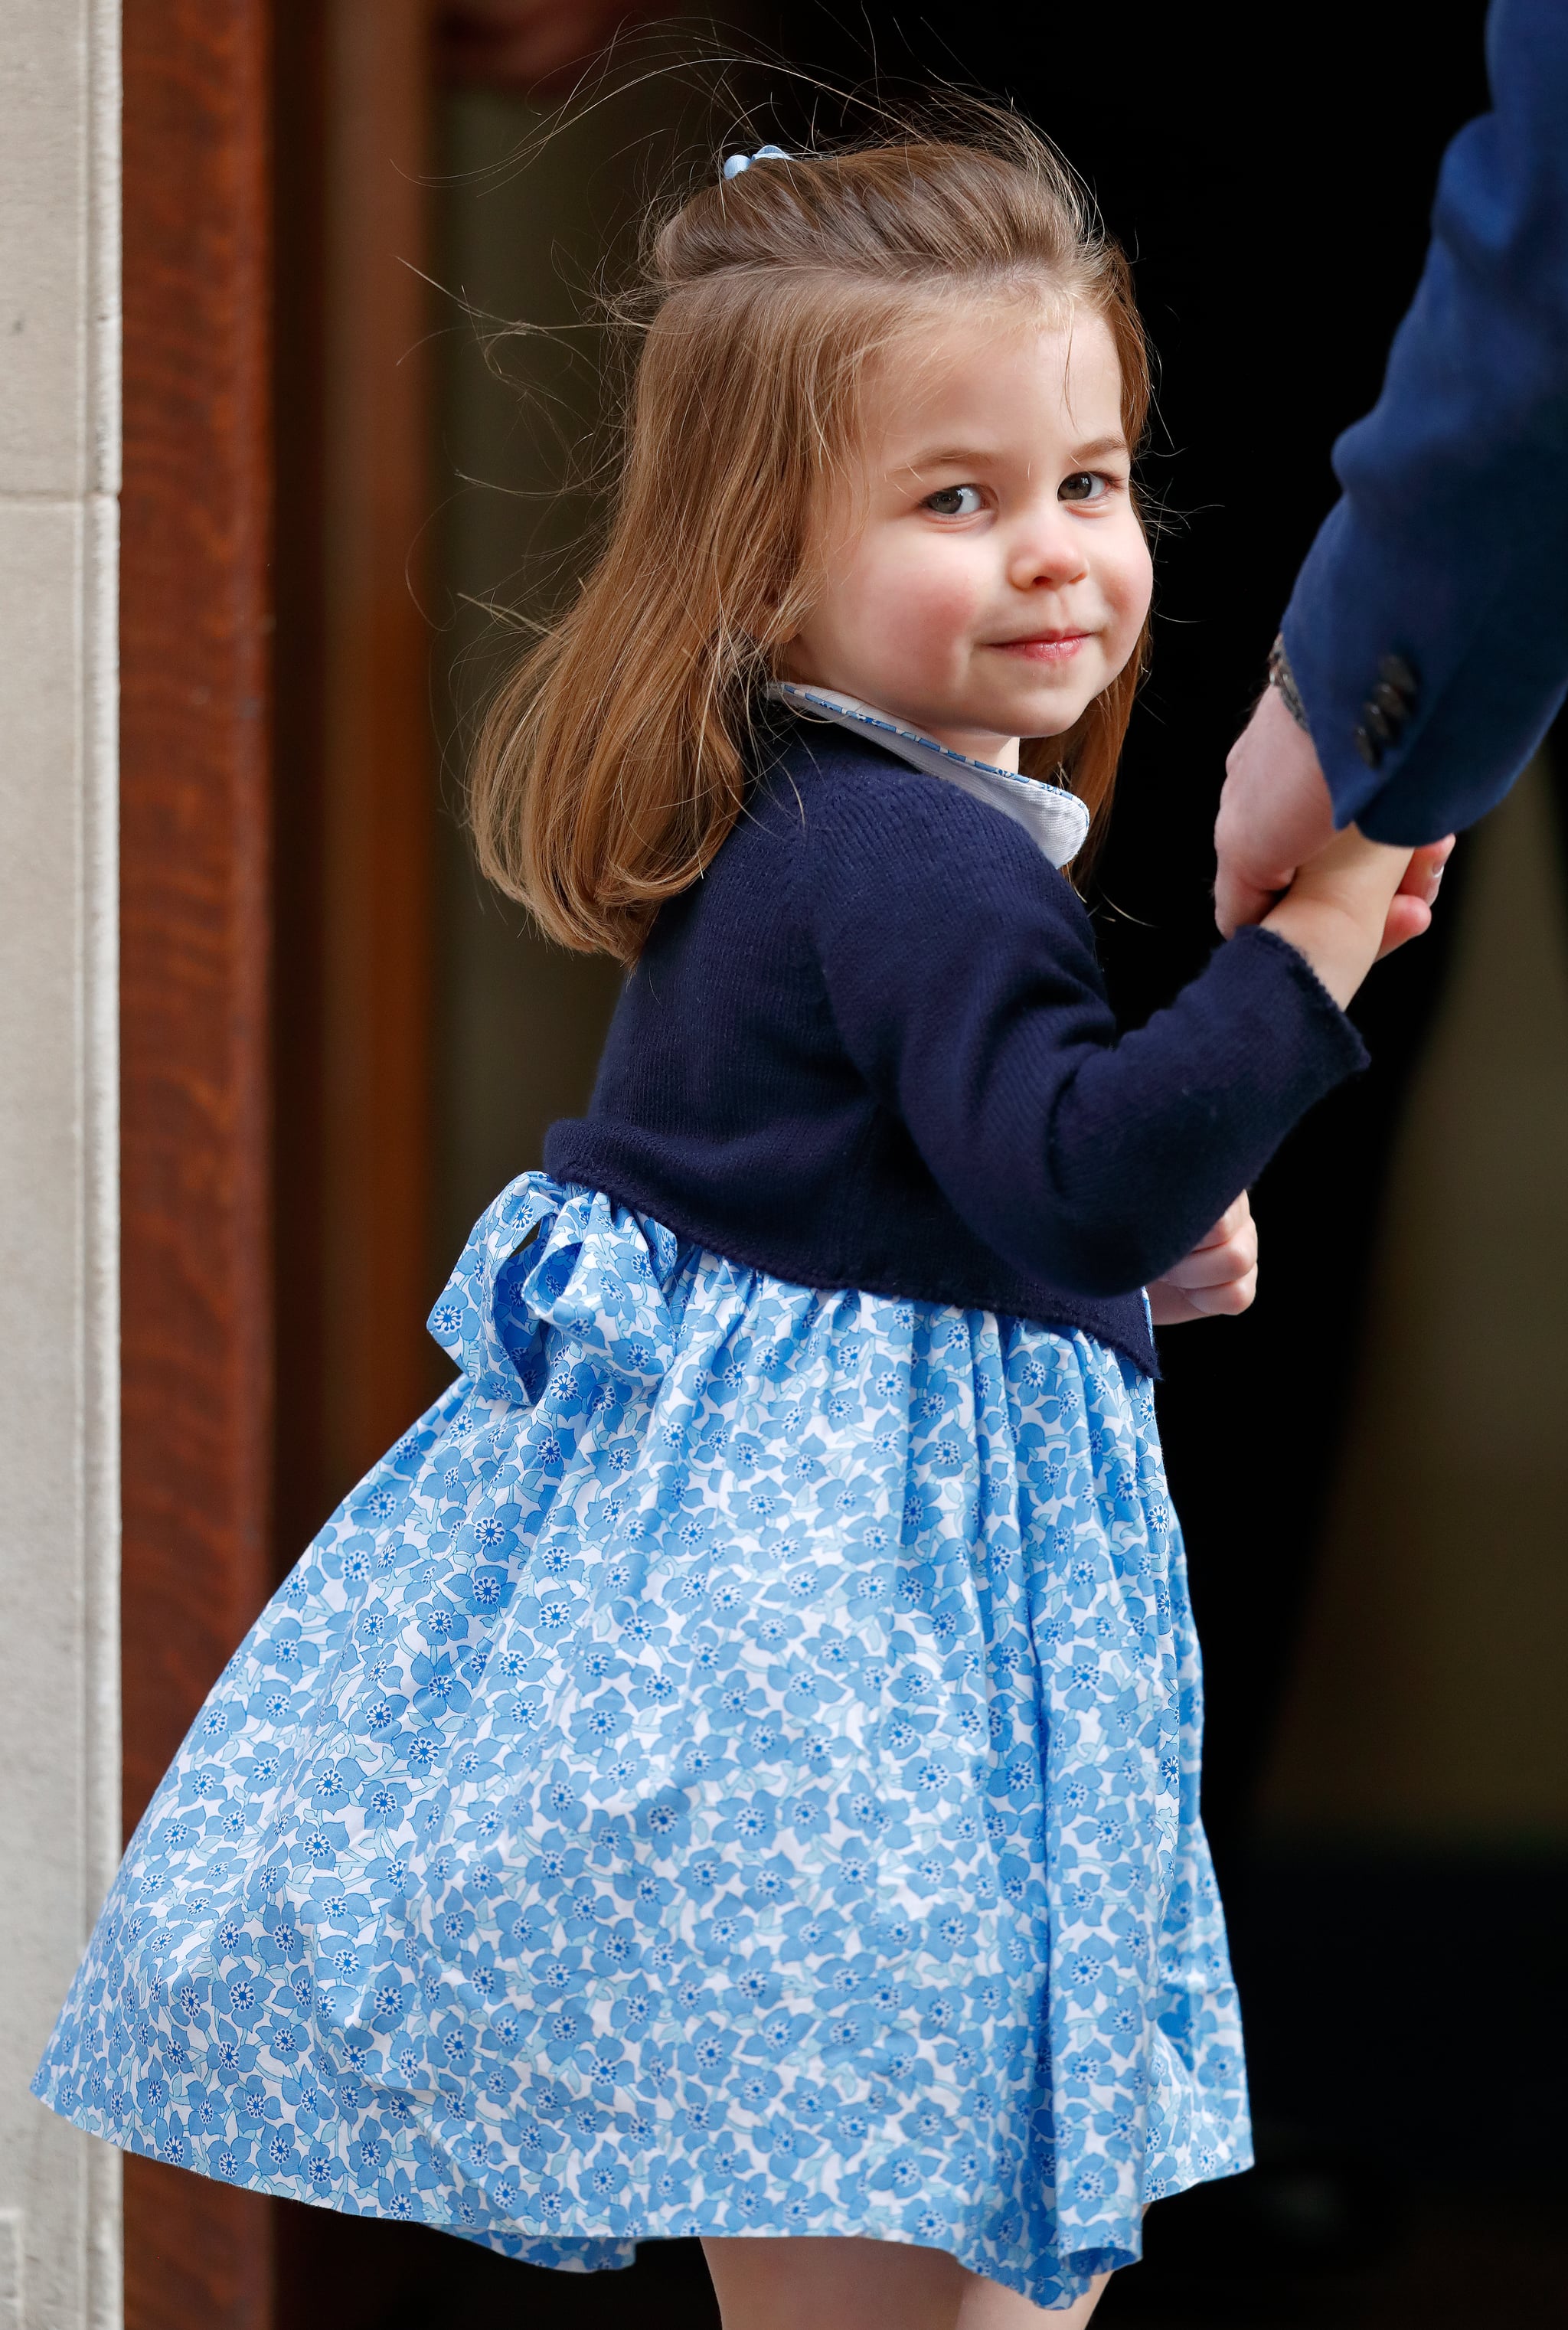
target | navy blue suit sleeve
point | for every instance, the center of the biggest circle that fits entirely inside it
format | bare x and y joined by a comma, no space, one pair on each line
961,972
1450,546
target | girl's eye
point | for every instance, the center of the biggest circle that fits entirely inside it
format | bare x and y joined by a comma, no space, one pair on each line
1083,485
955,501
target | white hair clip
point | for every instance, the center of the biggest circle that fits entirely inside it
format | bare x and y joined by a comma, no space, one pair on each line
739,162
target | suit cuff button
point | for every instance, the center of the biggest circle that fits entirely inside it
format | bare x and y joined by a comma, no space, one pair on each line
1367,745
1400,676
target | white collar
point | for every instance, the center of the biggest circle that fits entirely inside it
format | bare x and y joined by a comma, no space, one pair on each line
1056,820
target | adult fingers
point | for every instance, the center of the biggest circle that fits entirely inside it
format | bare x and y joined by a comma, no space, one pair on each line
1425,870
1239,899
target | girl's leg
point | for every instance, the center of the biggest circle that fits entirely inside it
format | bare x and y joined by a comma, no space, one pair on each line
802,2282
988,2307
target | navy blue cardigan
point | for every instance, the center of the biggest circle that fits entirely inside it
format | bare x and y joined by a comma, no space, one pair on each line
871,1047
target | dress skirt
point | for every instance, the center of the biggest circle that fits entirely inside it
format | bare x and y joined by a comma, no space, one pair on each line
732,1768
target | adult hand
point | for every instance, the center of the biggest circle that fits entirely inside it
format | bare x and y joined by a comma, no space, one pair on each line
1276,813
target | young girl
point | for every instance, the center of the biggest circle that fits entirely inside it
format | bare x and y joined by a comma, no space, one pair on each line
733,1769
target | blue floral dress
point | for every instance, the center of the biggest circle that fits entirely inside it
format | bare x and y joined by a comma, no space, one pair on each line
731,1768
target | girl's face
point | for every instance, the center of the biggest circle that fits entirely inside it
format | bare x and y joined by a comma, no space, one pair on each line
986,573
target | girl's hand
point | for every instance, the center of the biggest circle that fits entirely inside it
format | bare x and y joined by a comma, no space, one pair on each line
1337,911
1409,914
1218,1279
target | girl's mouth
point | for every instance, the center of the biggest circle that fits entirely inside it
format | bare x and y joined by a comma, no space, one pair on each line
1044,647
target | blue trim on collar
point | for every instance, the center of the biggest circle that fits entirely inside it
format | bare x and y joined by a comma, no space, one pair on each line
1056,821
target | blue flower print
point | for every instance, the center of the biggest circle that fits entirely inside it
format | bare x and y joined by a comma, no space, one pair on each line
732,1767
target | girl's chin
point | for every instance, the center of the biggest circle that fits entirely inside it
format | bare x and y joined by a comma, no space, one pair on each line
1053,711
1038,720
985,734
1033,712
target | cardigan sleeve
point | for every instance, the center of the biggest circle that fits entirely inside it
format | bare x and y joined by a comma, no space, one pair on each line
961,972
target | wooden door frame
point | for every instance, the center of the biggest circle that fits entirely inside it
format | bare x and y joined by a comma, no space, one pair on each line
196,1307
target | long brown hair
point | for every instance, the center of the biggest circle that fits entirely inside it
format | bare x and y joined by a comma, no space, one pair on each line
611,763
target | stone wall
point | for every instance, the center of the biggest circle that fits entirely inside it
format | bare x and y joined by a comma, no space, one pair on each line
59,1633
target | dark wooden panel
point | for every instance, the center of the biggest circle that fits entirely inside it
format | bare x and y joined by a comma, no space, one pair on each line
302,1487
378,789
356,780
197,1360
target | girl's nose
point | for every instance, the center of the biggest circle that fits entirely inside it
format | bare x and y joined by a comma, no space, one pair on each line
1047,554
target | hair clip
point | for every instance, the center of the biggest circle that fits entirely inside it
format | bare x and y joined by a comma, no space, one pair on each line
739,162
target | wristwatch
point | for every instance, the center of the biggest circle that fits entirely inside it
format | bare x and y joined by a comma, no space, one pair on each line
1282,677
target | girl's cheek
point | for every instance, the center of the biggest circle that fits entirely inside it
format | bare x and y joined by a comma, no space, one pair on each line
1137,579
937,608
